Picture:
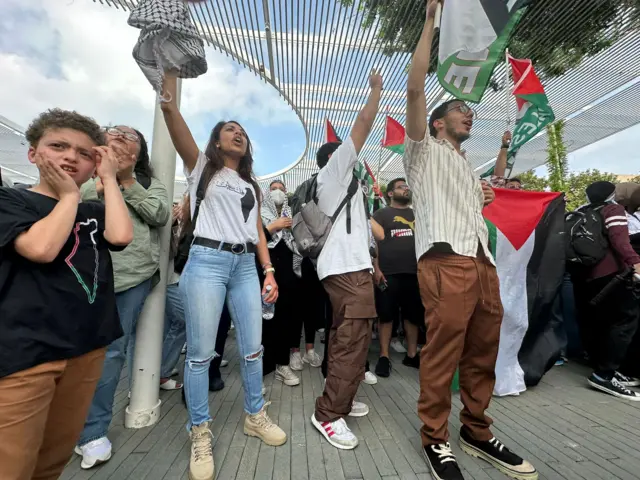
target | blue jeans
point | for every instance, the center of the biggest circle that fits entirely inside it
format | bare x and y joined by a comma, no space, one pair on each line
174,330
209,278
129,303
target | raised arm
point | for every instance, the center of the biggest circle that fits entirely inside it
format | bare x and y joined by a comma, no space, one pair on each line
416,99
178,129
501,163
364,122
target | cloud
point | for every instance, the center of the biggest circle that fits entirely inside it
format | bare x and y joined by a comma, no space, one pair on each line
77,55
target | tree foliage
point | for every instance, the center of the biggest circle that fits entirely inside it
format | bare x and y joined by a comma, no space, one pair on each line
544,35
575,185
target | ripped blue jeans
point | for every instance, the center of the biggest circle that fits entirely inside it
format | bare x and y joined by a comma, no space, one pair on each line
210,278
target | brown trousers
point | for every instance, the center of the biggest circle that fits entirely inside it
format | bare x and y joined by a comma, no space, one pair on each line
353,305
42,414
463,313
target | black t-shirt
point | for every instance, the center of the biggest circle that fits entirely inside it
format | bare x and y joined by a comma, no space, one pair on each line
58,310
397,252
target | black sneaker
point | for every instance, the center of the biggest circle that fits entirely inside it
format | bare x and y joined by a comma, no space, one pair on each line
627,381
412,361
494,452
442,462
613,387
383,367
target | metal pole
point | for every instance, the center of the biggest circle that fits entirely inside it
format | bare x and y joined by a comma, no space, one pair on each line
144,407
507,89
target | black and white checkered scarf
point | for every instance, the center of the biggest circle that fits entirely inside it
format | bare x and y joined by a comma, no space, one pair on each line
168,40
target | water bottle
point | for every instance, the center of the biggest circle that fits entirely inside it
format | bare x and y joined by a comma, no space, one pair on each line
268,309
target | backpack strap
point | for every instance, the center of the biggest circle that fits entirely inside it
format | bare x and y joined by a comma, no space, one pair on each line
199,197
351,191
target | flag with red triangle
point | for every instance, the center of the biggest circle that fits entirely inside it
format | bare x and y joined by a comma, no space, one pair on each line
526,237
362,171
330,133
534,111
393,136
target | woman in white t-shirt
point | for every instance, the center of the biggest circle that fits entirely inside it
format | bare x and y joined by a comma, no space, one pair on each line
221,268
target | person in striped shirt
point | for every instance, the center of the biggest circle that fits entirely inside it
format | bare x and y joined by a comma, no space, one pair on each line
457,276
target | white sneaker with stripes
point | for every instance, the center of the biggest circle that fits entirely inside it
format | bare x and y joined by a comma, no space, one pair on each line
337,433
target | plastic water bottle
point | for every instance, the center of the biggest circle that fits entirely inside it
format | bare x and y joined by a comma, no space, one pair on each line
268,309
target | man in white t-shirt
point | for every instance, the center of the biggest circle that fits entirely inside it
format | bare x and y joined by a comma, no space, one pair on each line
344,267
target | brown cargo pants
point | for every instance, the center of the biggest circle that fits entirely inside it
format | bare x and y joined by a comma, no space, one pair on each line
42,414
353,305
463,311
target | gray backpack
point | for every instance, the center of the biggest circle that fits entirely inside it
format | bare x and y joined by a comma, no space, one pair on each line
311,226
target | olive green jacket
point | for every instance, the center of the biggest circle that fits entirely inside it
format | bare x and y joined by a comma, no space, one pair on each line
148,209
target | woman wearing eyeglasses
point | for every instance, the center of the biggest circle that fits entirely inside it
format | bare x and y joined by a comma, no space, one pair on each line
136,271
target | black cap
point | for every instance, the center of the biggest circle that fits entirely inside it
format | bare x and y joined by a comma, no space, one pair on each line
599,192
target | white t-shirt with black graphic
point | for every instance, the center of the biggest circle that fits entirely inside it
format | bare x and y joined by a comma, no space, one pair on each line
229,211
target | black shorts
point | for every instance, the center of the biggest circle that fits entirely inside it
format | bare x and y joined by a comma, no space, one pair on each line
401,299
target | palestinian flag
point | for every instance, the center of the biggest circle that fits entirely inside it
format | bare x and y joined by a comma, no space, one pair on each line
473,36
534,111
393,136
330,133
362,172
526,236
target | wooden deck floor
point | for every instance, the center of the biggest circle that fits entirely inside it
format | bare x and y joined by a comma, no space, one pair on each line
565,429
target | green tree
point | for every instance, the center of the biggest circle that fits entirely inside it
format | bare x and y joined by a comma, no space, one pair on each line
575,185
557,164
544,35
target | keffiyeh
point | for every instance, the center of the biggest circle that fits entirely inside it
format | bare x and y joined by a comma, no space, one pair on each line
270,214
168,40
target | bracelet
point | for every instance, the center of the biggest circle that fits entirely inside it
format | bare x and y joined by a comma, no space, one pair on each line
269,270
268,264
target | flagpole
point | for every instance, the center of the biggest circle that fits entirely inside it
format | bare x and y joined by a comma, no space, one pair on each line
507,88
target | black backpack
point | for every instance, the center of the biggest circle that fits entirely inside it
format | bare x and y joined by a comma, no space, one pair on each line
587,242
186,235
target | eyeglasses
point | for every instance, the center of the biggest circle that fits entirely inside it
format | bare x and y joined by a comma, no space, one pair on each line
463,108
116,132
401,187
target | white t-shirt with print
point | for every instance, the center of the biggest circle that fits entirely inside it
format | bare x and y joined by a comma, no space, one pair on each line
343,252
229,211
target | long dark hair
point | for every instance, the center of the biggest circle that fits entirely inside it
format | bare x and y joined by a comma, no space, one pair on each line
143,169
215,159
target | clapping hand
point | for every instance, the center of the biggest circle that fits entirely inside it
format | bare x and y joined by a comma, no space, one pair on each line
106,163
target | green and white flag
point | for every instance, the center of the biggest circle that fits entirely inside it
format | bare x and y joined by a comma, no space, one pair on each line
534,111
473,36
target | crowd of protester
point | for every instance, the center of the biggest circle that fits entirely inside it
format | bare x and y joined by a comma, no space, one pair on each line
80,252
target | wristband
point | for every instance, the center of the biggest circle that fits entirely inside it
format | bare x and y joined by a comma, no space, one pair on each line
504,146
269,270
268,264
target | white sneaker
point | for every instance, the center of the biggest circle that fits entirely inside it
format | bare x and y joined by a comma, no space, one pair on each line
396,344
224,363
94,453
370,378
359,409
286,376
201,465
337,433
312,358
295,361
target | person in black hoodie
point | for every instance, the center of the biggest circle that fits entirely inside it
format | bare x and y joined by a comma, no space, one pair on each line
607,328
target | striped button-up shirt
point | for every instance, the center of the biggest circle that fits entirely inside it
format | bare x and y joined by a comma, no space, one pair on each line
447,198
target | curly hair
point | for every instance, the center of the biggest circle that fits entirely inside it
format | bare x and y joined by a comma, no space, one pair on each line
56,118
